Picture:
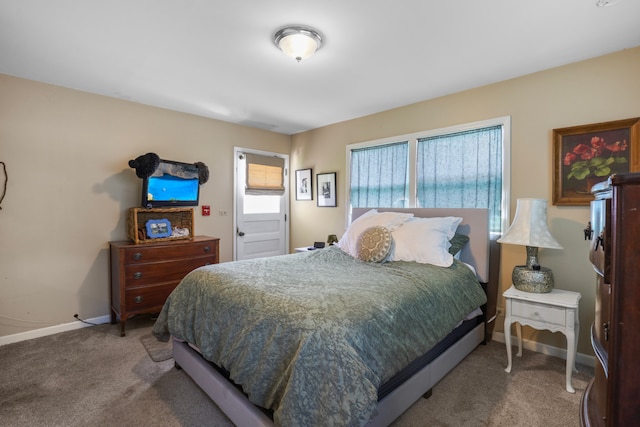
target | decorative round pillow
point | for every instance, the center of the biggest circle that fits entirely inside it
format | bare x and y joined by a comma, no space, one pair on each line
374,244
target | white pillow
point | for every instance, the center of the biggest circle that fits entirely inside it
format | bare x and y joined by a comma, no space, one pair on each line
425,240
391,220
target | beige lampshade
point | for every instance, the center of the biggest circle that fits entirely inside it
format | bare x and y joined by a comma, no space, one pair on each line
529,227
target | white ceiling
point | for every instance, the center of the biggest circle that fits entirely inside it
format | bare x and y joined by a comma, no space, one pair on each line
217,59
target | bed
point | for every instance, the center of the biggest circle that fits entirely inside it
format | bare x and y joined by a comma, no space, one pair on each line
327,338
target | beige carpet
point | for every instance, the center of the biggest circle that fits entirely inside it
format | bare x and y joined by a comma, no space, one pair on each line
479,393
94,377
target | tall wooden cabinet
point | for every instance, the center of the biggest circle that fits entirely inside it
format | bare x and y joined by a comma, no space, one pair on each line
612,398
143,276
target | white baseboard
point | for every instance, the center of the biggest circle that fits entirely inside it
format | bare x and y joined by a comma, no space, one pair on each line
50,330
581,358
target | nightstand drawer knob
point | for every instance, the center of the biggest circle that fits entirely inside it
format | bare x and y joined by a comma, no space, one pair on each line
137,256
138,299
137,275
207,249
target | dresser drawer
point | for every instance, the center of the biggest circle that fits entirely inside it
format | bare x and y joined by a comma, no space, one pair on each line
137,275
142,299
142,254
538,312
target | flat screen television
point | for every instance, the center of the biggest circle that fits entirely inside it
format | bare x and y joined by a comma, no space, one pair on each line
173,184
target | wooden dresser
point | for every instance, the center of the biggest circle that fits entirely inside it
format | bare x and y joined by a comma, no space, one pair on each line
612,398
143,276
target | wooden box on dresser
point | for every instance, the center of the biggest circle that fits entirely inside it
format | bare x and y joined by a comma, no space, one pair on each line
612,398
143,276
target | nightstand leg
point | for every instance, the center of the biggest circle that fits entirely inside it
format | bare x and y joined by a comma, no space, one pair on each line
507,340
519,335
571,358
577,334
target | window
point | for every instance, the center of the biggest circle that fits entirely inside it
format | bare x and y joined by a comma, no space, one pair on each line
379,176
264,184
463,166
265,175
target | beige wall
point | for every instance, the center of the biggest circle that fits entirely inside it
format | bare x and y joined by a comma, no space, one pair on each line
598,90
70,186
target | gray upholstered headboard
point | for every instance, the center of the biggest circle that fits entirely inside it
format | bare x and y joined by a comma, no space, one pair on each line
475,224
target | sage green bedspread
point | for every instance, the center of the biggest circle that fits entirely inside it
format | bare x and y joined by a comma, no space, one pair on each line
313,335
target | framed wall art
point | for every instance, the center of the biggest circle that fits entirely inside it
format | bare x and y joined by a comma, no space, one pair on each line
588,154
326,185
304,185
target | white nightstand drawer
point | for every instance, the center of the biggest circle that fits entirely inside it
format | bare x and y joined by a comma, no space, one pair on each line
538,312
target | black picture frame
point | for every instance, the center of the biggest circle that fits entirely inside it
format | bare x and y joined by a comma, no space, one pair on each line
304,184
326,188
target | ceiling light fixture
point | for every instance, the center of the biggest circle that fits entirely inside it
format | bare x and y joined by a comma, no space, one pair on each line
297,41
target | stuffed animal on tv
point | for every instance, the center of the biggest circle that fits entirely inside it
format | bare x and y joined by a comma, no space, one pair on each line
145,164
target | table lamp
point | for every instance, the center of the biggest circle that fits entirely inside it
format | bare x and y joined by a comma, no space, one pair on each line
529,228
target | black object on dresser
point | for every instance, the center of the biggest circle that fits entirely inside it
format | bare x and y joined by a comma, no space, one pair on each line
143,276
612,398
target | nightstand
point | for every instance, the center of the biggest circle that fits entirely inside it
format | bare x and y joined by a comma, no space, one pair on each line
556,311
309,248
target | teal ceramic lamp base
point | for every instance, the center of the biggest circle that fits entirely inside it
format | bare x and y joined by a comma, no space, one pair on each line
532,277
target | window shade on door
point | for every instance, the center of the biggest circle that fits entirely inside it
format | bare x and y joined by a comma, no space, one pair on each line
265,175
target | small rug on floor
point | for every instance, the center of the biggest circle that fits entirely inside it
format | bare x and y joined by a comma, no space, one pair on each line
158,351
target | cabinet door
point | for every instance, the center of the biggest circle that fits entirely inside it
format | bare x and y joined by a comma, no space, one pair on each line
600,210
600,255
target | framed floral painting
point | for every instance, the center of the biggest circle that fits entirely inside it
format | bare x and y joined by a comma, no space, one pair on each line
588,154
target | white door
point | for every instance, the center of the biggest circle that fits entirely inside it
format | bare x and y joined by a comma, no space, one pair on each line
261,227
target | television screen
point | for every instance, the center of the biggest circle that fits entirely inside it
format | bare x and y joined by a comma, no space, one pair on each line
172,184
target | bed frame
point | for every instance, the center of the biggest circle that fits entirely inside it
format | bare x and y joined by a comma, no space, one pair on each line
243,413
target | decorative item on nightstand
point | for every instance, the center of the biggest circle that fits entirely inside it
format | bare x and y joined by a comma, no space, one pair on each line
529,228
332,239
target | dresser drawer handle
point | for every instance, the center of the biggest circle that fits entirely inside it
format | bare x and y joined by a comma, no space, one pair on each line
137,275
138,299
207,248
137,256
